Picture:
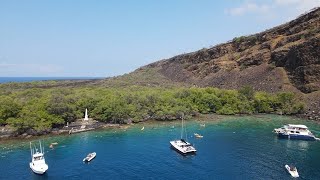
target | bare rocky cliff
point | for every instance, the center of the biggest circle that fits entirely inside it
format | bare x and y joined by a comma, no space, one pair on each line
286,57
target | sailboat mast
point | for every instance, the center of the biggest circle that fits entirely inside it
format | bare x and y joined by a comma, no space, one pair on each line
40,147
31,150
43,150
182,128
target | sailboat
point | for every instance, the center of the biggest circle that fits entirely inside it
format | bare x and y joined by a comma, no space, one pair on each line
38,163
182,145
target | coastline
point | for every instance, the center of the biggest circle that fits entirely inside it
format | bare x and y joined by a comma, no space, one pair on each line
8,135
94,125
31,134
97,125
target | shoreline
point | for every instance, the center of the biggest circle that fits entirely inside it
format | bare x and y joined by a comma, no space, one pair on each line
64,131
97,125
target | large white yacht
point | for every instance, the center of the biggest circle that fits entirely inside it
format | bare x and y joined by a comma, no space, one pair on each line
182,145
38,163
295,131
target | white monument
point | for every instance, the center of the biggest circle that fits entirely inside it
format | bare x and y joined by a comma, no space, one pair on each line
86,115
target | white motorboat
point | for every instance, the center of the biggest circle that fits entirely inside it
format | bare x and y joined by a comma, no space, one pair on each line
295,131
198,135
89,157
38,164
292,170
182,145
203,125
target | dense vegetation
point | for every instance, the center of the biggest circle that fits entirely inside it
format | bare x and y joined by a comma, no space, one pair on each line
42,109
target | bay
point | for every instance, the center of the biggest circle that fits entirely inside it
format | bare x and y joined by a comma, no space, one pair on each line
233,147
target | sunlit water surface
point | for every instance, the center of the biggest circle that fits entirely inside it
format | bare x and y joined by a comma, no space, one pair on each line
232,148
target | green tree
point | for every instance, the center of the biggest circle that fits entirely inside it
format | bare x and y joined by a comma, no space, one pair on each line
9,108
263,102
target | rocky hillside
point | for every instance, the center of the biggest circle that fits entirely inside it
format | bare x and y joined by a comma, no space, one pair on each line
286,57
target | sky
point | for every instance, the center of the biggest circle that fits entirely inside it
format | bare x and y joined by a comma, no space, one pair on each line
96,38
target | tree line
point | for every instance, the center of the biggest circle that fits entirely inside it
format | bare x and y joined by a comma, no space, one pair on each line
43,109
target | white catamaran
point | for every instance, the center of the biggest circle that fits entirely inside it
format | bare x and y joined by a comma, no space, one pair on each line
182,145
38,163
295,131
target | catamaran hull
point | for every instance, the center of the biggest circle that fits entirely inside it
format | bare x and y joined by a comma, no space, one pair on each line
41,170
180,150
182,153
298,137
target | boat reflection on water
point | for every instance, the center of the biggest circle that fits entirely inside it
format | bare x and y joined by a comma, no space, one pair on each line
299,145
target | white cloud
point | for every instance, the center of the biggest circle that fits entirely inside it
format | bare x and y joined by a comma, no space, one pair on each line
293,7
306,5
248,7
286,2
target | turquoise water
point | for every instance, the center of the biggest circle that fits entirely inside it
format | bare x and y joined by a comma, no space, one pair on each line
232,148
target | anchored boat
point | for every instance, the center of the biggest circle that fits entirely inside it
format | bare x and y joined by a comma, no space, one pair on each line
38,163
198,135
292,170
89,157
182,145
295,131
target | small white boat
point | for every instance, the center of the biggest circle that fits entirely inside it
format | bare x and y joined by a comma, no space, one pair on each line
142,128
52,145
292,170
89,157
198,135
38,164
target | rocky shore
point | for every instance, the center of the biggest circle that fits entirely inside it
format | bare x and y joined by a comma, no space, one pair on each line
8,133
81,126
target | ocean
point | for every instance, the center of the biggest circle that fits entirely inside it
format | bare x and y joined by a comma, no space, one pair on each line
30,79
233,147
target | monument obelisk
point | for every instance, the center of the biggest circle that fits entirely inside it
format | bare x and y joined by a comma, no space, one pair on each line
86,115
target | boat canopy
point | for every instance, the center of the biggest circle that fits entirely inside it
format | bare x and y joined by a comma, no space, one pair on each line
297,126
37,154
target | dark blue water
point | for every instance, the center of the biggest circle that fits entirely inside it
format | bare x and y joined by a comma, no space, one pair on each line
232,148
30,79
